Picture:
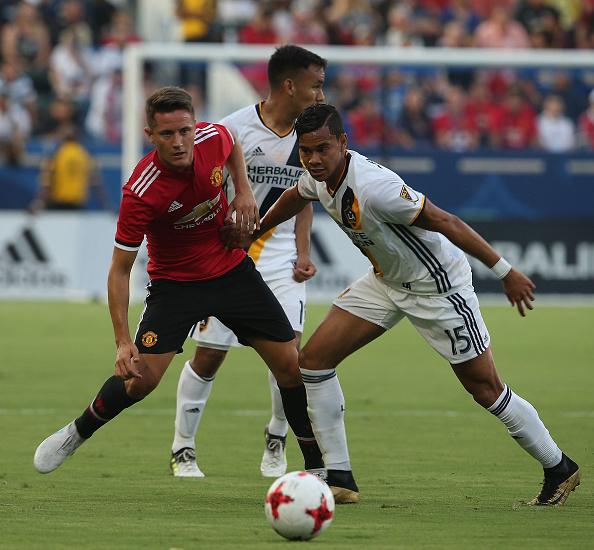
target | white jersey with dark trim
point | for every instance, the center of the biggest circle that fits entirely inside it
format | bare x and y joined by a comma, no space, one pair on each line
273,165
375,208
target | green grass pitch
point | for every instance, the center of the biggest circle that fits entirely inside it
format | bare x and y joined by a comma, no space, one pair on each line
435,470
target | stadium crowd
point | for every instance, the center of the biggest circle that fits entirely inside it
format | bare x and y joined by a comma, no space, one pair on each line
61,68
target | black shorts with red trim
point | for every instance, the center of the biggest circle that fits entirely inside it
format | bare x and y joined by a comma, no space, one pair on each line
240,299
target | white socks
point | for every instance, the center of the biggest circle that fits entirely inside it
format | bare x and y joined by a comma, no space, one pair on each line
325,405
278,424
524,425
192,395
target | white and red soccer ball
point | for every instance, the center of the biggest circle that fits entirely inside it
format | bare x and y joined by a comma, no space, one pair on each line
299,506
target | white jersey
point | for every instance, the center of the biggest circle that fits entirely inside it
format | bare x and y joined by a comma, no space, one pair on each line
375,208
273,165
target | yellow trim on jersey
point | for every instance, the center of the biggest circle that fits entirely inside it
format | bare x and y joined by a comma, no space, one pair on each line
373,261
419,212
316,199
257,246
261,116
342,175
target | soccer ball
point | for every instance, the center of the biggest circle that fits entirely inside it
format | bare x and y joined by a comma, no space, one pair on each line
299,506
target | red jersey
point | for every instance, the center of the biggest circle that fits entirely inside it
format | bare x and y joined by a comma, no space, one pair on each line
180,212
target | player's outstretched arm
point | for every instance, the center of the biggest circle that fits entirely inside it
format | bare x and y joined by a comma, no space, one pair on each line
304,268
289,204
118,291
517,286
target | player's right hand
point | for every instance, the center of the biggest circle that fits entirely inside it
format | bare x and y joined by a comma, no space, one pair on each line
518,289
127,359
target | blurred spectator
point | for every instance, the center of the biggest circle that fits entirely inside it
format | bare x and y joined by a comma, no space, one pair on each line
260,29
342,90
555,131
61,121
481,105
347,20
564,85
366,124
413,127
15,128
584,31
586,126
538,15
393,91
425,21
306,27
70,70
67,178
400,32
100,13
26,40
500,30
72,16
454,128
463,13
198,20
117,35
484,7
104,117
513,126
19,87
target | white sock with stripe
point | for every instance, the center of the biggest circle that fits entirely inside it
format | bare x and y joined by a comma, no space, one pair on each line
325,405
278,424
524,425
192,395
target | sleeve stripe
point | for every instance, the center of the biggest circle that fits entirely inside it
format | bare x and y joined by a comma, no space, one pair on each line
127,246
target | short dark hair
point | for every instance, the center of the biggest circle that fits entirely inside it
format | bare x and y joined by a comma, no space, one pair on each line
317,116
167,100
288,61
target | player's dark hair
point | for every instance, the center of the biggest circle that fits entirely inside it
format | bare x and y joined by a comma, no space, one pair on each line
167,100
317,116
288,61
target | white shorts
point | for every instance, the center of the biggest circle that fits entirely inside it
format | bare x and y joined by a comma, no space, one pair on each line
211,333
451,323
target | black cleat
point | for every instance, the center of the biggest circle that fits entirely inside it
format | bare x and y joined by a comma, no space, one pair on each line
558,483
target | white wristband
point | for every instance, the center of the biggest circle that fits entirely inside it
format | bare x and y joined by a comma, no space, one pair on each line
501,268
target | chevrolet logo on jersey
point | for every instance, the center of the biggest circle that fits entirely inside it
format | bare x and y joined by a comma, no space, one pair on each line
198,213
350,210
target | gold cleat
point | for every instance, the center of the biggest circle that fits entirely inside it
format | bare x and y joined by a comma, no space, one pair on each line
344,496
555,490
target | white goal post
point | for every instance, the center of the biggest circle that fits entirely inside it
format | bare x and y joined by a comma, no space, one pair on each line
135,56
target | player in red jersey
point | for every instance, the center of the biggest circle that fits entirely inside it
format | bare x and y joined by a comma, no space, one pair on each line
174,198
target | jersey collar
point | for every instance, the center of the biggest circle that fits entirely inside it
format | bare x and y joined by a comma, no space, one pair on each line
347,161
261,117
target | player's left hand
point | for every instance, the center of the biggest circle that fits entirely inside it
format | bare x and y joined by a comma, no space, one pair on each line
518,289
247,216
304,269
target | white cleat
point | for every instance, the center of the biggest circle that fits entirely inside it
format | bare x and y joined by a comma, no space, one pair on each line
274,461
183,463
57,448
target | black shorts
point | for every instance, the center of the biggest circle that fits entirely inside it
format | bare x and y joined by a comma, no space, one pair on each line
240,299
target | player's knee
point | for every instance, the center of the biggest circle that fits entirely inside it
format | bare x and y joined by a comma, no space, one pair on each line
206,361
485,395
312,361
139,388
287,373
